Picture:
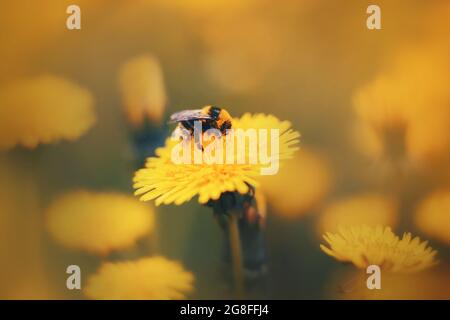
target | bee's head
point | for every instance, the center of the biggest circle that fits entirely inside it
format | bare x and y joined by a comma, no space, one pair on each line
214,112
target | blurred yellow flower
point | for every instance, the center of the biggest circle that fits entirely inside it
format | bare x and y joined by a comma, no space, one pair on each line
433,216
166,182
364,246
44,109
98,222
141,83
237,56
369,209
403,113
299,186
155,278
384,129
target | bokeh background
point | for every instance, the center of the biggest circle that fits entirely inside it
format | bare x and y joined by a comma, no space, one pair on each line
80,108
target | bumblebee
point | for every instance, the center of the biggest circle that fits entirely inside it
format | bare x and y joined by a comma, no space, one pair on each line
211,117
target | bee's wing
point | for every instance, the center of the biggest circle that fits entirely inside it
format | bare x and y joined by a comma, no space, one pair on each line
195,114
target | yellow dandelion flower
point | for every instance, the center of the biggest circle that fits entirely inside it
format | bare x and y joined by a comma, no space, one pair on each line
364,246
292,199
433,216
369,209
98,222
289,138
44,109
166,182
154,278
142,86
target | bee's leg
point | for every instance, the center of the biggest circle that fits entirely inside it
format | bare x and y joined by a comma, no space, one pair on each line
199,145
188,125
225,126
197,139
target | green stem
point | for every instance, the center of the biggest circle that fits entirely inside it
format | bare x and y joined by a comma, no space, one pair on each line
236,255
